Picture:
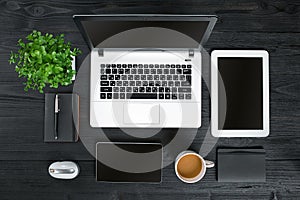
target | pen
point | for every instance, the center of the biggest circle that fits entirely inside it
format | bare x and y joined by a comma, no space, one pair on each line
56,110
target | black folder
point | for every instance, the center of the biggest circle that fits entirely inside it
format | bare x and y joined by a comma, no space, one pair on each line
68,118
241,165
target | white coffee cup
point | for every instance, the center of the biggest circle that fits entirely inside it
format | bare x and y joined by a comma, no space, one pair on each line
198,177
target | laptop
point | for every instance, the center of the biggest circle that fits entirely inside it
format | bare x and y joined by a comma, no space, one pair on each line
145,69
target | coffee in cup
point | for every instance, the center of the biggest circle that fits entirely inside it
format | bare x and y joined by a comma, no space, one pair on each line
190,167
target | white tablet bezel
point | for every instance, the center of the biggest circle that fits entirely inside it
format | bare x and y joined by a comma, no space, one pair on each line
214,93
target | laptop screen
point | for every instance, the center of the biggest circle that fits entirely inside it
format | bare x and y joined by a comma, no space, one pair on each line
111,32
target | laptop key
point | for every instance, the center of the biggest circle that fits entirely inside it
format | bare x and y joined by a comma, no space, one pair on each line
151,83
188,96
141,89
109,95
185,83
149,77
132,83
133,71
117,77
143,96
111,77
127,71
119,83
135,89
106,89
112,83
167,96
128,89
114,71
181,96
143,77
125,83
138,83
104,83
187,71
145,83
161,96
121,71
136,77
185,89
122,95
108,71
116,89
116,96
189,79
102,96
122,89
130,77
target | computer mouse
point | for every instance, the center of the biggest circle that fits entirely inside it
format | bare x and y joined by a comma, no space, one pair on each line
64,170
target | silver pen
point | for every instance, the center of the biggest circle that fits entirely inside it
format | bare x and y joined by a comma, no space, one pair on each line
56,110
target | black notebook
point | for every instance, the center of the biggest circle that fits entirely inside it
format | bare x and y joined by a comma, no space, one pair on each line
241,165
66,127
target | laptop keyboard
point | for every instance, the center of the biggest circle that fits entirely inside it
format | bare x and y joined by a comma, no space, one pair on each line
145,81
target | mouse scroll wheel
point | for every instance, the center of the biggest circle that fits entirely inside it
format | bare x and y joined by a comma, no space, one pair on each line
62,171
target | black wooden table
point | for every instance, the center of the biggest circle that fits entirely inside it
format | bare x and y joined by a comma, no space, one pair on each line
24,157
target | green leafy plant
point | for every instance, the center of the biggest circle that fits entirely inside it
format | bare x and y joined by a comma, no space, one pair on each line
44,60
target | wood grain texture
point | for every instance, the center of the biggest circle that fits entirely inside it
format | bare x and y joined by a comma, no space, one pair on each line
244,24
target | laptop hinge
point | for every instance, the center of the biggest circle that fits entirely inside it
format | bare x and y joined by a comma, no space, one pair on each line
191,53
100,52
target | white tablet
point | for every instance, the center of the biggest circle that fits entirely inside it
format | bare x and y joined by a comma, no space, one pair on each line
240,93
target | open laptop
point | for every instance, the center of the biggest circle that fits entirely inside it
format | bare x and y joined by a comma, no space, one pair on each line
145,69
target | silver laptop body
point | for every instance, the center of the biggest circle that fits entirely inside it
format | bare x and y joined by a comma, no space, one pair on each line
145,69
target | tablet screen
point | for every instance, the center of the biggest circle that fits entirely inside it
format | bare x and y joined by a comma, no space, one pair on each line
243,84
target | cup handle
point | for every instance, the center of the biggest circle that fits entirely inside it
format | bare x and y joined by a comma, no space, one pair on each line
209,164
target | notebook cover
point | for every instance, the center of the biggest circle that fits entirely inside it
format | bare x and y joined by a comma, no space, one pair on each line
68,118
241,165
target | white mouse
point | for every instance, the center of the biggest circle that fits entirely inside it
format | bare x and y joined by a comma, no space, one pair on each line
64,170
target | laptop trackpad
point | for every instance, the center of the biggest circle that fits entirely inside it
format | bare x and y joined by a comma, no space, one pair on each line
141,113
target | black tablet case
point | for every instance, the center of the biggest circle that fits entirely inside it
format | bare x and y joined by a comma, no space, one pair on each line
68,118
241,165
105,173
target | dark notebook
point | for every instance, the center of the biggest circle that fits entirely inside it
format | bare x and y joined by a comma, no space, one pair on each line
129,162
241,165
67,118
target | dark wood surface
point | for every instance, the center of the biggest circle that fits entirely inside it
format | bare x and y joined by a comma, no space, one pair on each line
24,157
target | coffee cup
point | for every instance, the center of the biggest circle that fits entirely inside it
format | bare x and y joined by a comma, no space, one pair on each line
190,167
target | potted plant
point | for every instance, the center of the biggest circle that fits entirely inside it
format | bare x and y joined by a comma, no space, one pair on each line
44,60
